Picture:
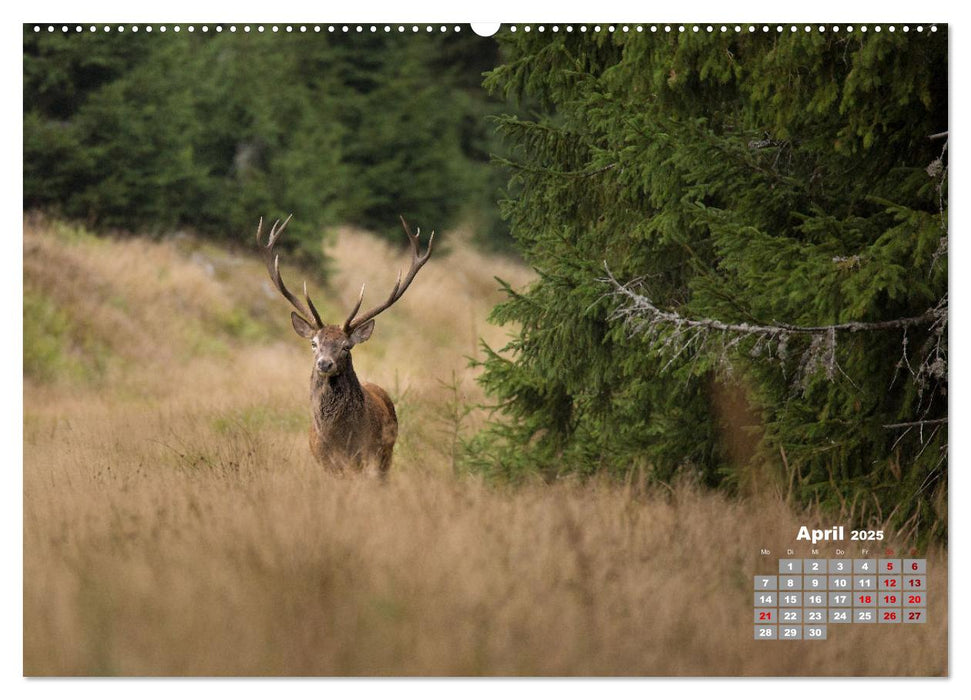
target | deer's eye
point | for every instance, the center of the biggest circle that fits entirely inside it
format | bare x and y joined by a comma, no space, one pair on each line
313,344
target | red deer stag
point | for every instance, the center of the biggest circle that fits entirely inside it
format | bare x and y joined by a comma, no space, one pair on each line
354,425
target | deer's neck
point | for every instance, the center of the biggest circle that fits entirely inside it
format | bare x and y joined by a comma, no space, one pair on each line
335,399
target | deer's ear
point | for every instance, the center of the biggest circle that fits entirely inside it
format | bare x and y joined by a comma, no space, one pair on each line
359,335
303,329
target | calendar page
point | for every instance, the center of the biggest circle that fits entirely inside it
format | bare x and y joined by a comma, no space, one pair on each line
539,349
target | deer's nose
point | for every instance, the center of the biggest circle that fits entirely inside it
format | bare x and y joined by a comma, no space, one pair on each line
325,366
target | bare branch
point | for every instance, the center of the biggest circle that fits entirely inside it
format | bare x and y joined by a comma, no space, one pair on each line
916,423
676,334
644,304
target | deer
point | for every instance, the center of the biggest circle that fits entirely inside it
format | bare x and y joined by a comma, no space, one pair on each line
353,425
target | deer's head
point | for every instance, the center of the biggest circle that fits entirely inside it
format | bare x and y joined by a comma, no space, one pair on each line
332,344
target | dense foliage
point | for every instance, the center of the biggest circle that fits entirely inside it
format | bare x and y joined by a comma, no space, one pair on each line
210,131
781,181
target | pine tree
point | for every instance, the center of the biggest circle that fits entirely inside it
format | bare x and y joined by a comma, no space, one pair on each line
749,209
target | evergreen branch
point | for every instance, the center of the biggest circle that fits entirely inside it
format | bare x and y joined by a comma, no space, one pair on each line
543,170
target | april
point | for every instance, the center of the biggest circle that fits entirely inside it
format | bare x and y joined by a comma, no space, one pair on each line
837,534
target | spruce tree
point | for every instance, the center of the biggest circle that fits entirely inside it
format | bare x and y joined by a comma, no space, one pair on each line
766,211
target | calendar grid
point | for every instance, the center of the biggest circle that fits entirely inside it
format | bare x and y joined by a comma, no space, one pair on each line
809,595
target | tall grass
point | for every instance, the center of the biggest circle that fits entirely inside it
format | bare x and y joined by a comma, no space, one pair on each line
175,524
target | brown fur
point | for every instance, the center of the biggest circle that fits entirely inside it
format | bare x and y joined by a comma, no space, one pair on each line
353,426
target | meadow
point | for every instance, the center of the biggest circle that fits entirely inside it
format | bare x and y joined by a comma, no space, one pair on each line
175,523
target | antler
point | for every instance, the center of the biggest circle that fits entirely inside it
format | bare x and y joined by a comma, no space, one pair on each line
273,267
417,260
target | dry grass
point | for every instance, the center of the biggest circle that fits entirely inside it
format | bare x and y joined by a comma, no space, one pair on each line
174,523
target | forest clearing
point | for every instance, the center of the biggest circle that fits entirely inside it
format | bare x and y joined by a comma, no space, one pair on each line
175,522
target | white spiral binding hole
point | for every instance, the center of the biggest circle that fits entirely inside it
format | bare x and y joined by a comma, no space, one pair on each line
488,30
712,29
259,28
